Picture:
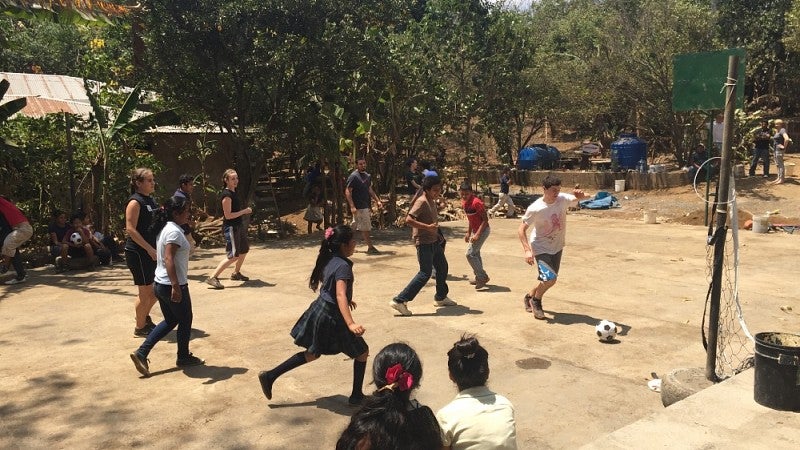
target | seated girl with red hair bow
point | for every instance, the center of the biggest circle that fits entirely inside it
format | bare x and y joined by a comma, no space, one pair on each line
390,419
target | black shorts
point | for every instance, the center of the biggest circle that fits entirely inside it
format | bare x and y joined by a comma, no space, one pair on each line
235,240
142,267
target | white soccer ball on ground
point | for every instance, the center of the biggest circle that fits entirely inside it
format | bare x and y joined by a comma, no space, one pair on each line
606,330
76,238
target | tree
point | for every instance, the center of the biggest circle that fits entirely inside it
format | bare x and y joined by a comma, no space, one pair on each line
114,137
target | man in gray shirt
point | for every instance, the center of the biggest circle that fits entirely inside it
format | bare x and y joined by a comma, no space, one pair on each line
358,192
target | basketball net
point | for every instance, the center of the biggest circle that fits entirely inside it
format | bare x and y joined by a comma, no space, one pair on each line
734,342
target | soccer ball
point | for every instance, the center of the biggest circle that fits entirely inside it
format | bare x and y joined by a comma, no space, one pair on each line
606,330
76,238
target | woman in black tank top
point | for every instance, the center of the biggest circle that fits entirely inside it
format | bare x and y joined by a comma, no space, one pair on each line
140,252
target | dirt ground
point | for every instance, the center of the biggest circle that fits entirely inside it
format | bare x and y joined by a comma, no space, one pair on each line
67,381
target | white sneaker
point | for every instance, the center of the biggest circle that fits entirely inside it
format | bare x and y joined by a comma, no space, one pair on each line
445,302
15,281
400,307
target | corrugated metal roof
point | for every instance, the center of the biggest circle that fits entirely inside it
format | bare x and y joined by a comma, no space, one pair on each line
48,94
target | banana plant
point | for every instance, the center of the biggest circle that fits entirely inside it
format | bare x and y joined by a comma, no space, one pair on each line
8,109
124,126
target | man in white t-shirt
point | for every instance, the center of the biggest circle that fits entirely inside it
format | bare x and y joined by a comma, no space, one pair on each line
548,216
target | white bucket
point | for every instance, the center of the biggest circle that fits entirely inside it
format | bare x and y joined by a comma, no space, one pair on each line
650,215
619,185
760,224
789,168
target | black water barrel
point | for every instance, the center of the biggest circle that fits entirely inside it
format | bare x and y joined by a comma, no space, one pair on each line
777,371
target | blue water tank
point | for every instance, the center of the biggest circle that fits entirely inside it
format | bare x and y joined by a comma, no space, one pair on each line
628,150
550,158
527,158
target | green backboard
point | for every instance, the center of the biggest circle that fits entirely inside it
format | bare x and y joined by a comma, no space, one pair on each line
699,79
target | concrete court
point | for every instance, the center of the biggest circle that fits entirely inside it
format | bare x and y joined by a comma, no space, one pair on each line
66,379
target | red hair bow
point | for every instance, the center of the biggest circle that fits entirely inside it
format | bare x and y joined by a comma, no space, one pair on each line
397,376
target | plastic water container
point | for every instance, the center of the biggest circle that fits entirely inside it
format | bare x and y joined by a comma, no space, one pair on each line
527,158
628,150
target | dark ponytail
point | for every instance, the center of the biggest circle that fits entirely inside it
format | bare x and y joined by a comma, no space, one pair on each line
387,420
173,205
468,363
331,245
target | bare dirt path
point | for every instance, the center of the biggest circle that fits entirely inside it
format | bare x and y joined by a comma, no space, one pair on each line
67,382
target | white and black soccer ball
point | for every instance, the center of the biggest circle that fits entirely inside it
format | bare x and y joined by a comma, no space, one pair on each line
76,238
606,330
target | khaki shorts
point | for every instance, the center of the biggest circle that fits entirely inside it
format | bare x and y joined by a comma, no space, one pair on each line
362,221
22,232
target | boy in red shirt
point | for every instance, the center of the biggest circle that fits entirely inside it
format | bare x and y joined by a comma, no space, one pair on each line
477,232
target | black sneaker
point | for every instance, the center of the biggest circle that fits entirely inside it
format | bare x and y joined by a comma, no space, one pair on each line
266,380
3,269
237,276
190,360
141,364
142,332
149,321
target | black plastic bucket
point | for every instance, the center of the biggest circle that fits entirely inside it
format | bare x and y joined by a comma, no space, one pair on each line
777,371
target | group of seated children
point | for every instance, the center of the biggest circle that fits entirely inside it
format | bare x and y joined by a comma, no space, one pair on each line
76,244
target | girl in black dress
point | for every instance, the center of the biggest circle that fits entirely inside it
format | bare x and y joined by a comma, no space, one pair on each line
327,327
390,419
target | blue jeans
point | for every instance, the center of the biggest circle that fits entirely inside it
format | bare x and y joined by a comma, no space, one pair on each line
761,154
175,314
474,255
429,256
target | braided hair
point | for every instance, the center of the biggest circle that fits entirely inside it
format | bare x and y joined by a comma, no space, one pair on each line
331,246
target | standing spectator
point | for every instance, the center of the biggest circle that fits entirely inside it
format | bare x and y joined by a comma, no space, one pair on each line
56,230
505,198
171,285
781,140
140,251
423,217
327,327
82,246
477,418
236,244
390,419
21,231
548,217
358,191
315,209
413,178
762,138
477,232
717,131
185,190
